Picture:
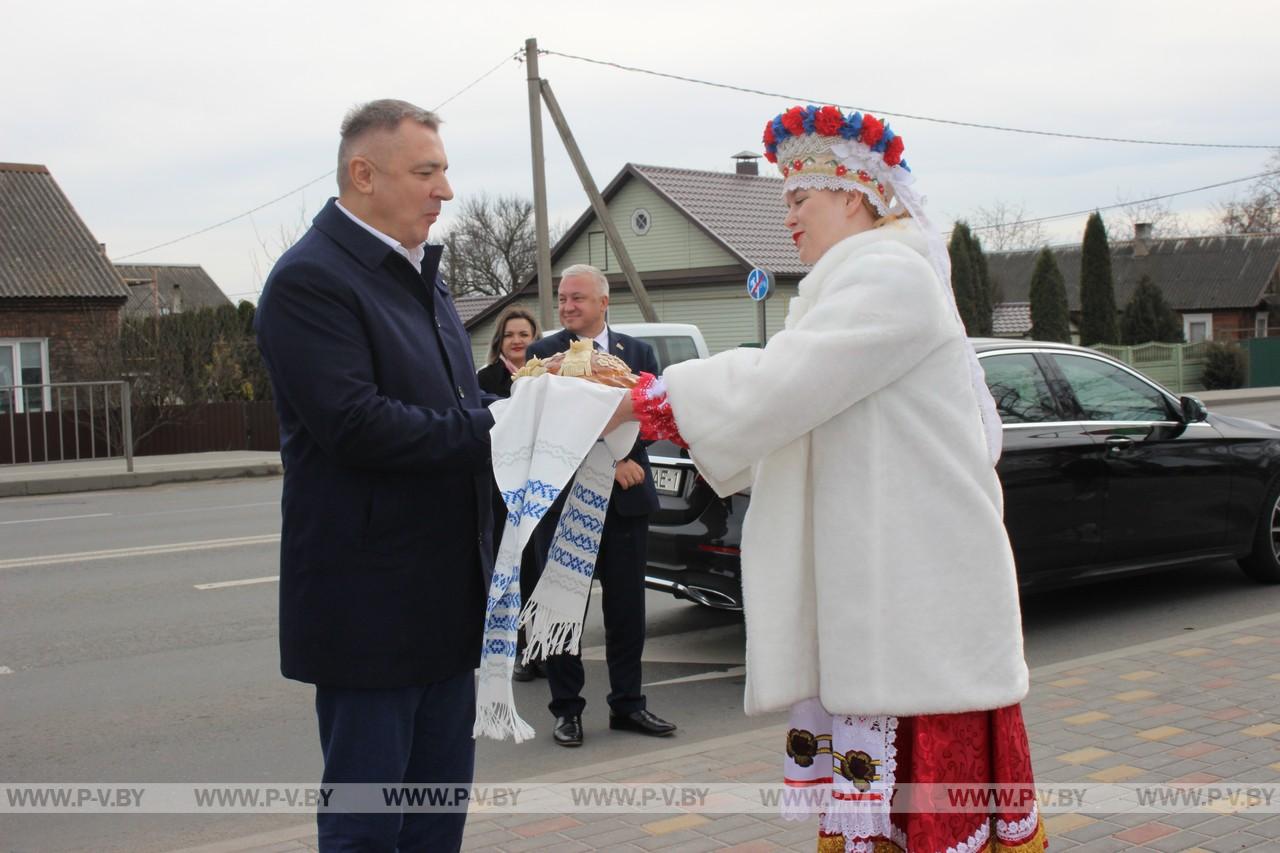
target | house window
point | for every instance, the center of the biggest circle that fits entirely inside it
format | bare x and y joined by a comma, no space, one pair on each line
1197,327
24,371
597,250
1260,324
640,221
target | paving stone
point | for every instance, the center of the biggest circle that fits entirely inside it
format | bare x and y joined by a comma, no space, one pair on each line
1145,833
1239,841
1097,829
1103,845
552,841
674,839
745,834
699,844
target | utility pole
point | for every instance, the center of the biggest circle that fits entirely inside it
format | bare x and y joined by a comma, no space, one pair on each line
541,226
598,205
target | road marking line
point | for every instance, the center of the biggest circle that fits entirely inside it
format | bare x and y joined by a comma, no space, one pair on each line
141,551
4,670
58,518
701,676
245,582
198,509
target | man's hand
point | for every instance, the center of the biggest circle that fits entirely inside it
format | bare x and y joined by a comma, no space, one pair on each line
628,473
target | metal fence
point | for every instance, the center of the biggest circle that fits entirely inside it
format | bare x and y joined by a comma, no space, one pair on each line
1178,367
65,422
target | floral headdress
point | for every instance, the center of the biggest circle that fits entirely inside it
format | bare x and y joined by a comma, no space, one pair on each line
822,148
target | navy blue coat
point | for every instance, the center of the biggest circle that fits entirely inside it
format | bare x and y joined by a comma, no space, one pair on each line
385,553
639,356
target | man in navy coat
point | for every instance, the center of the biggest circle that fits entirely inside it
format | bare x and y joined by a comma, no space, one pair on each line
384,554
583,297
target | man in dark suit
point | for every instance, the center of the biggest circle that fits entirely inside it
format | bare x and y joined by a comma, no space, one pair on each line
620,565
384,553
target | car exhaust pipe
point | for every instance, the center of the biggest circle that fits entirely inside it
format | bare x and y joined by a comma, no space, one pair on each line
698,594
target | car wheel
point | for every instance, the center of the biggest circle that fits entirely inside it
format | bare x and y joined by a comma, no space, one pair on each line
1263,564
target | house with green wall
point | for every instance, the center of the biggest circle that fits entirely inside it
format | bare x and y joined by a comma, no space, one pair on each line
693,237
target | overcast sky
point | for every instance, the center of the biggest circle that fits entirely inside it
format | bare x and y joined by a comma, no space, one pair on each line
162,118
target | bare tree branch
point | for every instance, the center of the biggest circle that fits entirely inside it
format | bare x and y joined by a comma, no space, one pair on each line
1002,229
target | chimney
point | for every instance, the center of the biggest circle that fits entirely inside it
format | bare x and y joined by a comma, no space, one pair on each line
175,303
1141,239
746,163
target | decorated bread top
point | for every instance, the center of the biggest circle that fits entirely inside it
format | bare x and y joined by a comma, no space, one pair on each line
583,361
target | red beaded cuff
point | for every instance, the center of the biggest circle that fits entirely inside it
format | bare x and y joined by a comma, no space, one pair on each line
657,422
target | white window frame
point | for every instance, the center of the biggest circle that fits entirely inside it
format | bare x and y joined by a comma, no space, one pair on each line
1260,324
16,366
1188,319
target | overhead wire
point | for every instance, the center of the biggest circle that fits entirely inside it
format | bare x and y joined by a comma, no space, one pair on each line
898,113
314,180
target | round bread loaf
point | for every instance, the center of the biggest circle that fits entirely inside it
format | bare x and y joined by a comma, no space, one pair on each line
585,362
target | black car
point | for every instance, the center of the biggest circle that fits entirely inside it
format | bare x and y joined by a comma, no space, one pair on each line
1104,473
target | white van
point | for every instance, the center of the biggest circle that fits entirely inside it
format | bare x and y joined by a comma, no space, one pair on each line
672,342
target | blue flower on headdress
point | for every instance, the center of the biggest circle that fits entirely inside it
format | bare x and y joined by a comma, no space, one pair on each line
780,132
903,164
852,126
810,112
888,136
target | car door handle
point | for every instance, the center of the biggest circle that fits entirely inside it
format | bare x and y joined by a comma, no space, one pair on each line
1119,442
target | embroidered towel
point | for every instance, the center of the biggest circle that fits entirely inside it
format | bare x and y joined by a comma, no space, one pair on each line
544,435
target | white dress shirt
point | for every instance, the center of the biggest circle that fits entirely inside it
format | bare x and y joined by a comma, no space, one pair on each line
413,256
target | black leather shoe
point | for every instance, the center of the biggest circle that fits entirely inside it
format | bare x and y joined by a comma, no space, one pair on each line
523,672
643,722
568,731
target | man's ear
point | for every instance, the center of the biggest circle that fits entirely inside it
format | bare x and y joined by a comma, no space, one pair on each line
360,174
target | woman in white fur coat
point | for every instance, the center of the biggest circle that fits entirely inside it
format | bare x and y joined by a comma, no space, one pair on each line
879,591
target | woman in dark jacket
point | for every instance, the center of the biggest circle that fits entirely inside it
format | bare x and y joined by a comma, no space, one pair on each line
515,330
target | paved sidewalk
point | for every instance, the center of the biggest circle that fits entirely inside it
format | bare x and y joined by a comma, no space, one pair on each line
1198,707
91,475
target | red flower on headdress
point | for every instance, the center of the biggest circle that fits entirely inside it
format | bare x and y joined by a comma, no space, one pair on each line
893,153
768,133
872,130
828,121
793,121
771,157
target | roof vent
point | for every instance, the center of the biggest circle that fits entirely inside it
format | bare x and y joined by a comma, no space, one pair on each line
746,163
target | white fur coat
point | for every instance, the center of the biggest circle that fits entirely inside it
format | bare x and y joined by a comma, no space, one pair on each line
877,574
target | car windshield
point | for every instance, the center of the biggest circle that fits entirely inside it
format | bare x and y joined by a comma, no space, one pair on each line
670,349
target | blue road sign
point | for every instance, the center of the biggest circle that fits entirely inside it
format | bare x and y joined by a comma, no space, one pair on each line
758,284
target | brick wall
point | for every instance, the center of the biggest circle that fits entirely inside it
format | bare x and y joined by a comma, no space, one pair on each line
76,331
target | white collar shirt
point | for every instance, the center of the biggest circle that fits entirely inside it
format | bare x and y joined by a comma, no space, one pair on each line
413,256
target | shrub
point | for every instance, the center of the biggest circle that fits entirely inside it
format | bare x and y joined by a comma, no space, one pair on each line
1224,366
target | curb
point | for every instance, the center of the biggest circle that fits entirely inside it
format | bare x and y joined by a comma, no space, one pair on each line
138,479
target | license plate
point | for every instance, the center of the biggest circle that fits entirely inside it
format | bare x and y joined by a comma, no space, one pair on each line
667,480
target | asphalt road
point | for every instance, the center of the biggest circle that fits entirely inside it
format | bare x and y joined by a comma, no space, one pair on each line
138,643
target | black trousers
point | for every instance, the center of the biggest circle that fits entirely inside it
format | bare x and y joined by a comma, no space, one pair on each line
398,735
620,571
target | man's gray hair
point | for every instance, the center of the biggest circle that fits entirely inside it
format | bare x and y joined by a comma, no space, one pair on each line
385,114
602,283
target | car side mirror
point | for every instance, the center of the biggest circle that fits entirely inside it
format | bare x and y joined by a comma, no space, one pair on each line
1193,411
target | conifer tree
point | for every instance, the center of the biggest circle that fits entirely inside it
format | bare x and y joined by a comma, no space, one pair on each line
1050,318
1097,296
962,278
1147,317
983,298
